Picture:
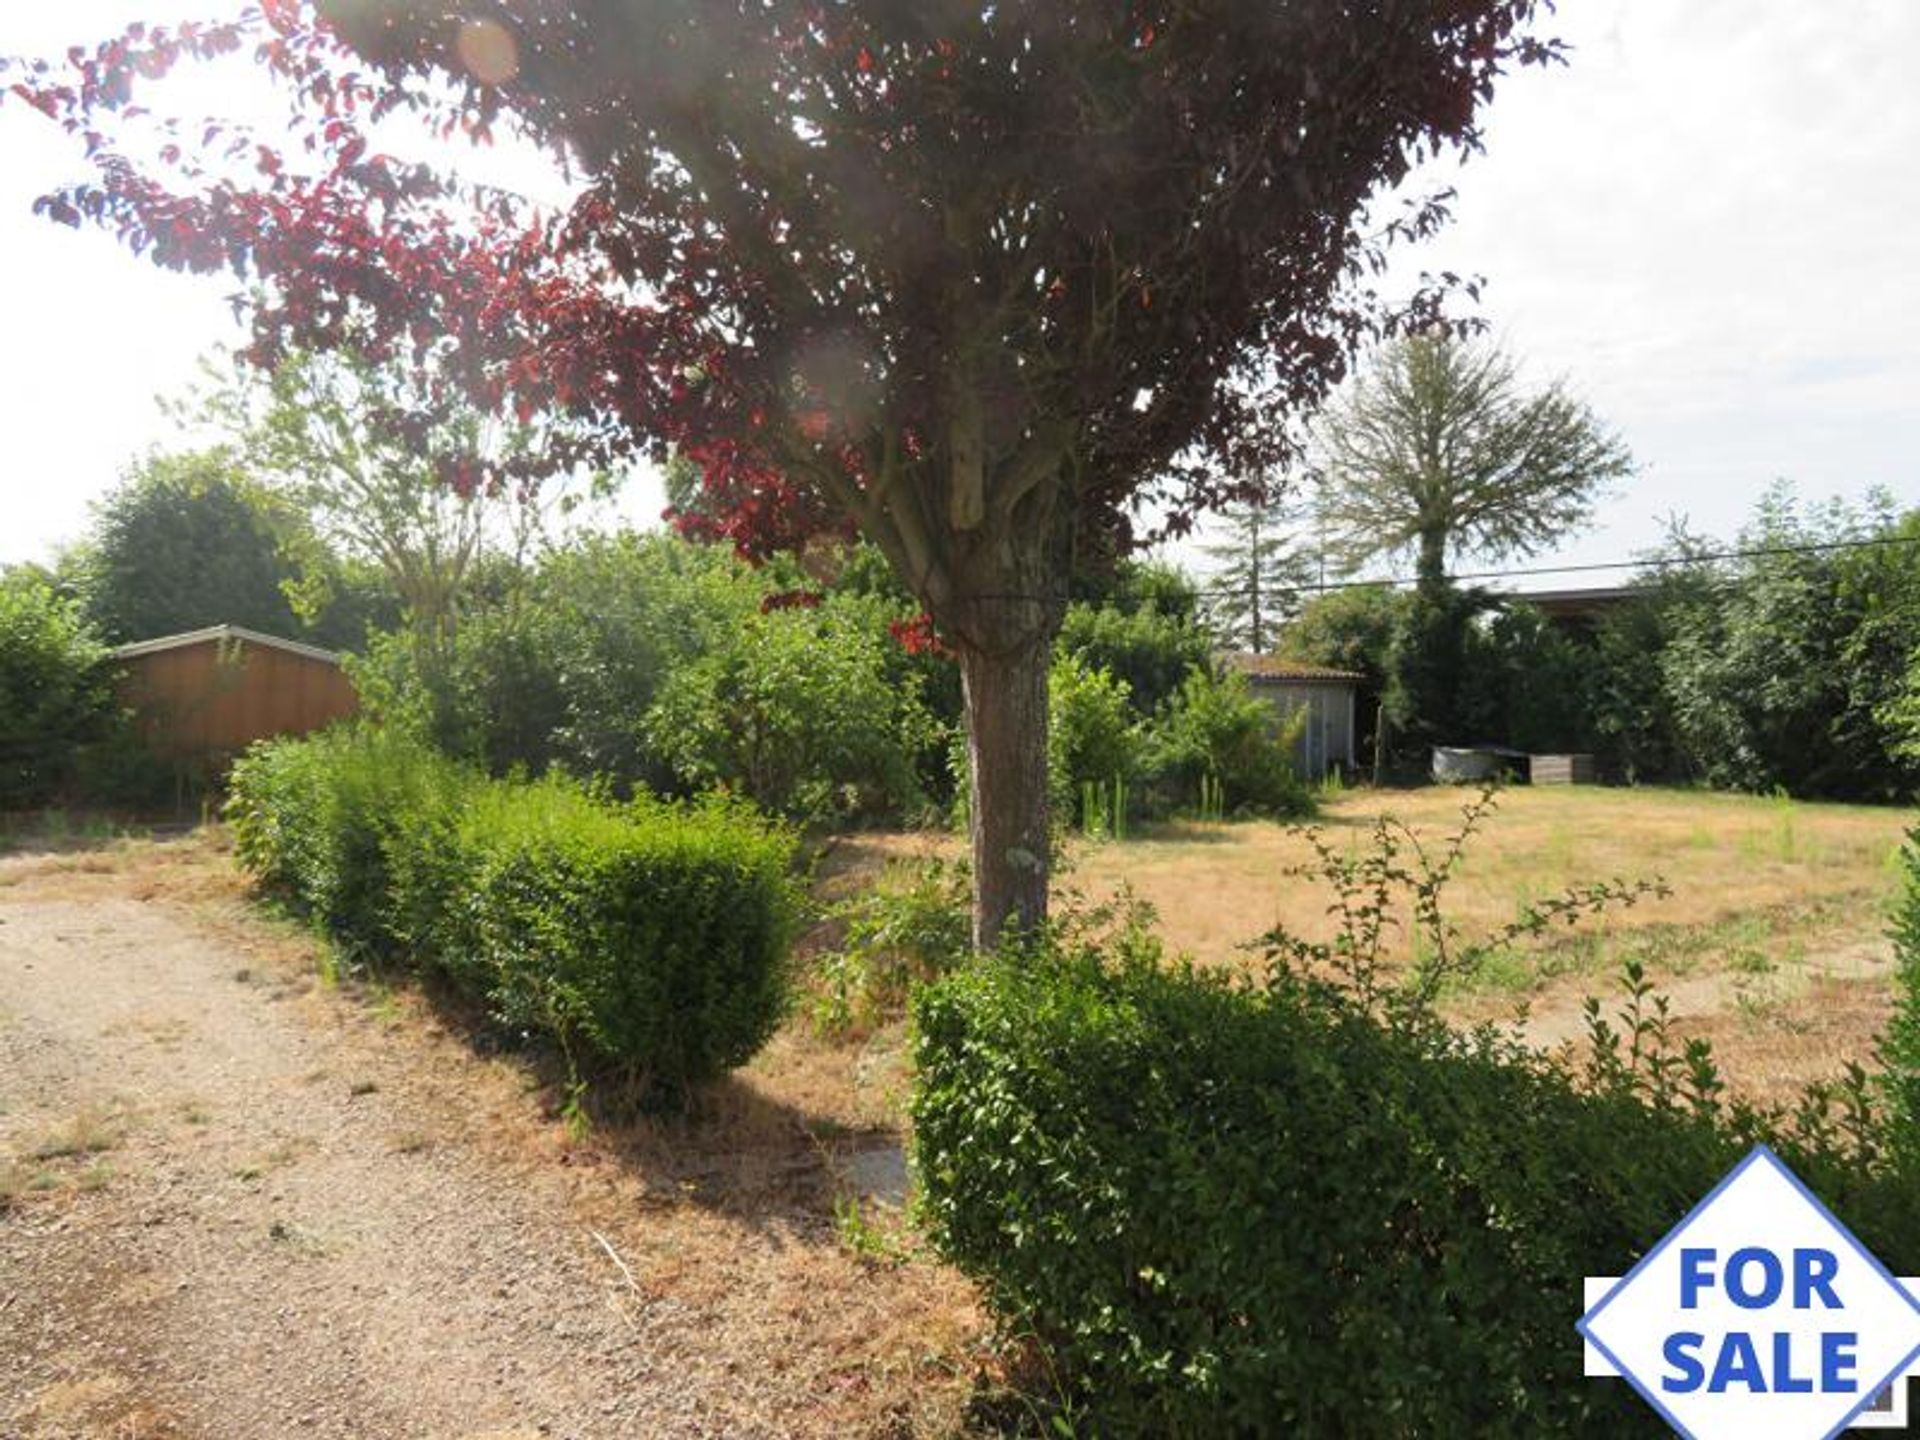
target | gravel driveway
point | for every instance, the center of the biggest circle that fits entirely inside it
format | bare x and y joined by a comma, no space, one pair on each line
238,1204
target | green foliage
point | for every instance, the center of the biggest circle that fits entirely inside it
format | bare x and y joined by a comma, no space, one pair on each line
1217,732
1146,648
1427,668
647,661
184,542
322,822
1310,1208
1226,1212
1130,586
645,939
914,924
1349,629
1632,723
1529,684
56,693
423,486
1900,1045
1785,668
1103,808
1092,735
802,711
648,938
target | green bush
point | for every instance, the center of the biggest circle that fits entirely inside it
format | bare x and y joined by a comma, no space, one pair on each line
646,939
1146,648
1348,629
913,925
1225,1211
1092,738
56,693
1900,1045
323,821
802,711
1784,669
1529,684
1217,727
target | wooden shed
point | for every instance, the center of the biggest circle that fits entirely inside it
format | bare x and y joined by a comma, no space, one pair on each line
1329,697
208,694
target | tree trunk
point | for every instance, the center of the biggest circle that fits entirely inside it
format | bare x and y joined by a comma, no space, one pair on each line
1006,694
1430,570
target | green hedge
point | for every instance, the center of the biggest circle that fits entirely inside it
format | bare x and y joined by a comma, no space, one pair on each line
1223,1212
1900,1046
652,935
322,821
644,938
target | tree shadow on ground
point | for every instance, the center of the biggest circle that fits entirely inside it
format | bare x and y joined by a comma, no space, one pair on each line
727,1146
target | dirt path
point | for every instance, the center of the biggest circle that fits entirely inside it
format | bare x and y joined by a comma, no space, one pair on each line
240,1205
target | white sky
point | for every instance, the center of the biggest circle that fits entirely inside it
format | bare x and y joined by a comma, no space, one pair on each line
1706,224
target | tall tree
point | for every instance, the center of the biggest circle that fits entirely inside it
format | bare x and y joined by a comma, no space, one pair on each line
185,541
379,477
979,281
1263,575
1438,450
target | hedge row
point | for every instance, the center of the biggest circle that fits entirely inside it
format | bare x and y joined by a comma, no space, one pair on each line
1224,1212
644,937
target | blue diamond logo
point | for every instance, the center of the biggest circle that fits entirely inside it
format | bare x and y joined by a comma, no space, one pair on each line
1759,1315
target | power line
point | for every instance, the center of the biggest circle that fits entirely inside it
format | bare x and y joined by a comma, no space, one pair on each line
1659,562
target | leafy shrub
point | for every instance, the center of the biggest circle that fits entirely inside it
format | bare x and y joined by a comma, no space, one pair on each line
647,939
1147,649
559,666
56,693
1900,1046
1633,728
1783,669
1428,663
323,821
914,924
1092,738
185,541
1529,684
1217,727
801,712
1309,1207
1349,629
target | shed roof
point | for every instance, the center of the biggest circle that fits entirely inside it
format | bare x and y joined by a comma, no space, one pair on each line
1272,667
222,632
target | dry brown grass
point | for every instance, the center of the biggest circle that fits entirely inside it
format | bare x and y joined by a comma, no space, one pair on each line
1726,858
92,1130
1771,943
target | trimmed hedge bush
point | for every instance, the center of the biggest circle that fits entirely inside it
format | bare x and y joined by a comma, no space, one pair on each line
645,938
651,935
1226,1212
324,820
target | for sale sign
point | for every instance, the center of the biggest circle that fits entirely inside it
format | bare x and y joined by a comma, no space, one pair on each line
1759,1316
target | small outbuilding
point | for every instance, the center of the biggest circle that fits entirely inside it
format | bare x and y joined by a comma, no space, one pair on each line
206,695
1329,697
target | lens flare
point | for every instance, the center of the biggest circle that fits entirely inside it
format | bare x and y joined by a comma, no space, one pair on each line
487,49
